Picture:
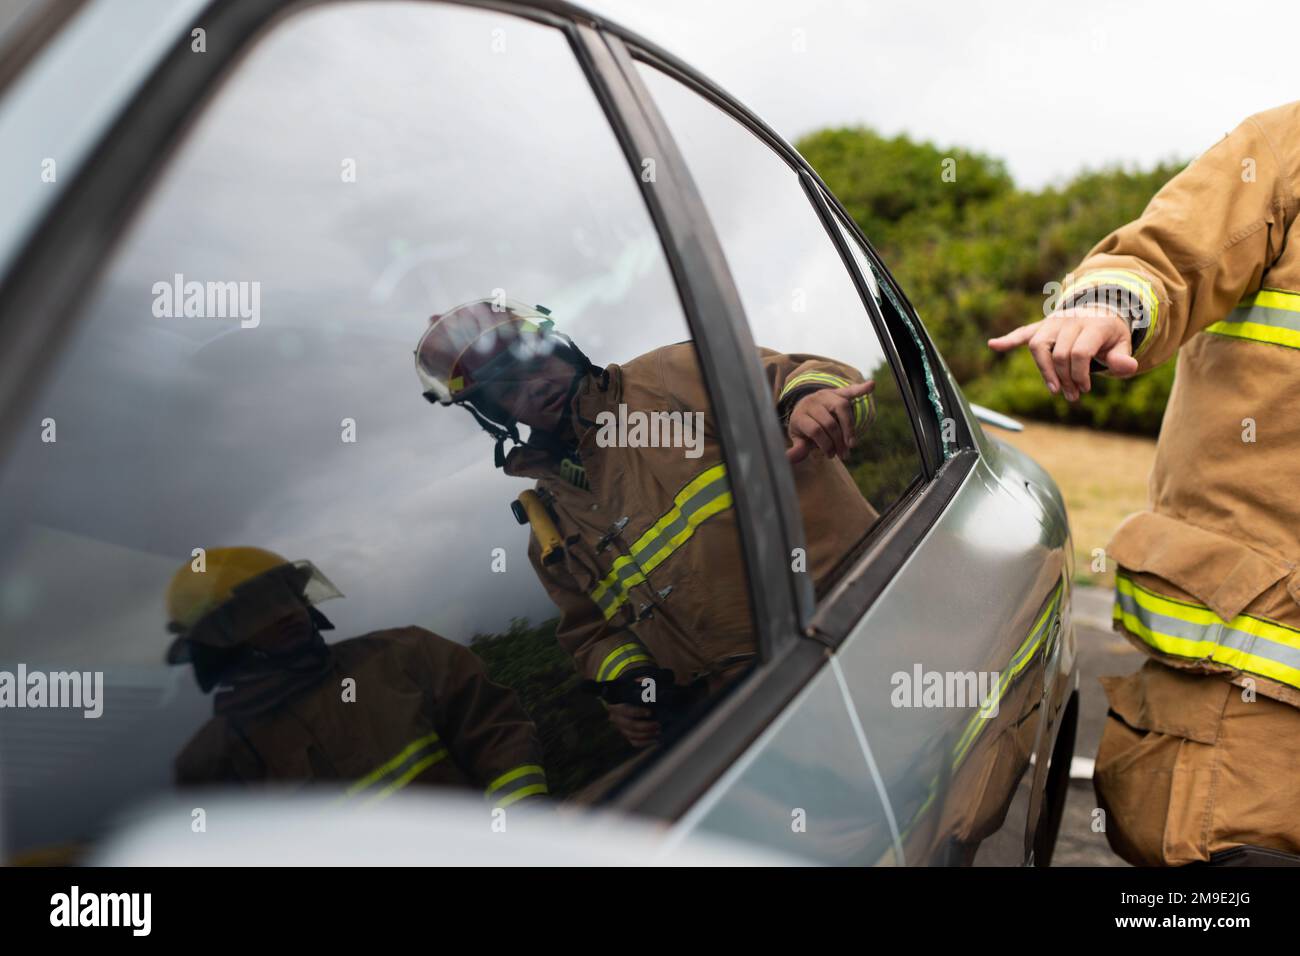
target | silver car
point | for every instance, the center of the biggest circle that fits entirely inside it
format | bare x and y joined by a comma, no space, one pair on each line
227,226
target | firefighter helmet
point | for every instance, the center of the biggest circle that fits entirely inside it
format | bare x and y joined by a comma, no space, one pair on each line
238,593
467,347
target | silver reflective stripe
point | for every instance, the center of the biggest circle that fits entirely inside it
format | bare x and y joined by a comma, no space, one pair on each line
663,537
1270,315
704,496
517,784
1189,631
396,773
618,659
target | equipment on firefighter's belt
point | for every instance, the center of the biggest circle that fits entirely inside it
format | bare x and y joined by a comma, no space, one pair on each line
529,508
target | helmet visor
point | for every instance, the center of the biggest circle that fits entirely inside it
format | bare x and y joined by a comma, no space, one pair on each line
256,605
480,342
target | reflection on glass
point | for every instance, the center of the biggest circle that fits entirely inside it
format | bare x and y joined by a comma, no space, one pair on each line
798,293
395,707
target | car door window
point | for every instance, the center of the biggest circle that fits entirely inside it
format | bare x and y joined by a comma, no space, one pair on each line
802,303
379,457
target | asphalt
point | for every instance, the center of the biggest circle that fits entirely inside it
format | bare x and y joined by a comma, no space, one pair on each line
1101,652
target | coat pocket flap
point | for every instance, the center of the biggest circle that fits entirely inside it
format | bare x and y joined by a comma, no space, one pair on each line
1223,574
1164,700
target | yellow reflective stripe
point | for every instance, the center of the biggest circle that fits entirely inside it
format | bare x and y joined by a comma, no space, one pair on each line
1275,299
520,794
624,665
861,404
634,652
1210,650
1255,318
391,765
1207,647
1257,332
722,503
654,536
819,378
976,724
510,775
1019,661
1197,614
416,769
530,780
610,657
1130,282
1184,611
456,384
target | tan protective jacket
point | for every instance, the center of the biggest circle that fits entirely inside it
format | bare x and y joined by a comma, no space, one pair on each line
424,713
1208,577
652,573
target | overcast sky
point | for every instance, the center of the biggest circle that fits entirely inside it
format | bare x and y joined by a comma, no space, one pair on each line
1049,87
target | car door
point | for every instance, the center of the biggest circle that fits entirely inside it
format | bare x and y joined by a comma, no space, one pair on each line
983,602
959,579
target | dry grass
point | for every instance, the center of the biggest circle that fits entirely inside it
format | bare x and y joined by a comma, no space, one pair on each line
1103,477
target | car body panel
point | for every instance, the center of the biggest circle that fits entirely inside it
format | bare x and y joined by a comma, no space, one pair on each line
806,788
986,590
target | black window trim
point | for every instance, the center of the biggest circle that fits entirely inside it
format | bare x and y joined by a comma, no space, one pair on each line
905,373
963,439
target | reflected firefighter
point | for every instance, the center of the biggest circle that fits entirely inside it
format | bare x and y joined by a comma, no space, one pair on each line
635,540
379,712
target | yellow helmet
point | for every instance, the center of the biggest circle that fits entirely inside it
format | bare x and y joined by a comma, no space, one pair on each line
192,594
238,593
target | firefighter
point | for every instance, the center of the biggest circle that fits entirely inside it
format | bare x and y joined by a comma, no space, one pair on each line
1200,758
636,542
376,712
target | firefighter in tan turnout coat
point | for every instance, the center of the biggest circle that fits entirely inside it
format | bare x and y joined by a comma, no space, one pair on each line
634,534
1201,752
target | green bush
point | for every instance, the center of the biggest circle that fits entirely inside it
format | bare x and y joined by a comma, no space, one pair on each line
975,256
1136,405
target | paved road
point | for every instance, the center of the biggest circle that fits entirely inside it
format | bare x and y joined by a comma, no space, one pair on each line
1101,652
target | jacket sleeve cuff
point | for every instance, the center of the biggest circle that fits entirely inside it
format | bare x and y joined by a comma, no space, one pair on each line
622,656
517,783
1129,294
807,382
